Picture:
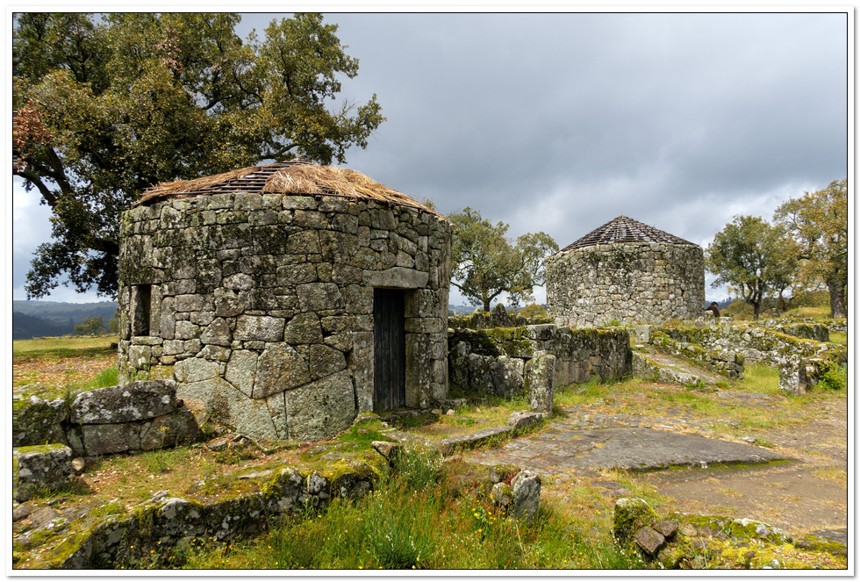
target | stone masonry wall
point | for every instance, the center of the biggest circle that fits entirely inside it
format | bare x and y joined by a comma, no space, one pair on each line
140,416
625,282
496,361
801,361
756,343
260,306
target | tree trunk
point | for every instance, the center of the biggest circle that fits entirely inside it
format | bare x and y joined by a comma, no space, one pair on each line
837,300
756,308
487,304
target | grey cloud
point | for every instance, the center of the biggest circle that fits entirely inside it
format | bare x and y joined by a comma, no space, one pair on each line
560,122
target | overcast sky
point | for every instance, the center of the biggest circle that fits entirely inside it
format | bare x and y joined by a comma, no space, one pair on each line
560,122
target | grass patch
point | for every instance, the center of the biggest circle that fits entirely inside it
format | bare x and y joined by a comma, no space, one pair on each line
64,346
839,337
760,379
815,312
104,379
363,433
491,411
53,367
409,525
834,473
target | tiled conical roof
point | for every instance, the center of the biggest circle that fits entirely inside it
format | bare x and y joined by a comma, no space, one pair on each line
622,230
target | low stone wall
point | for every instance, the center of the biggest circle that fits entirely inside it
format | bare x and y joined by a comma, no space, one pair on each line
802,329
498,317
646,368
838,326
139,416
150,533
36,421
686,541
801,361
756,343
726,362
499,361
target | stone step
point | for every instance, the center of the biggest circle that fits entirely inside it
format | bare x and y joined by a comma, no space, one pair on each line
473,440
673,370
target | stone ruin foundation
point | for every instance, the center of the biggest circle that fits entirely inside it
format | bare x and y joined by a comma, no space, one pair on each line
285,299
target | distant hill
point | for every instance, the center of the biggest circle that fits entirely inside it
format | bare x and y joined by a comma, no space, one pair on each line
26,326
50,318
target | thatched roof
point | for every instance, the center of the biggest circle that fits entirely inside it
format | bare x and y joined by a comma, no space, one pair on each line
623,230
298,178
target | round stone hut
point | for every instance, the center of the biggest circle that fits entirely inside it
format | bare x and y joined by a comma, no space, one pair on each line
285,299
628,272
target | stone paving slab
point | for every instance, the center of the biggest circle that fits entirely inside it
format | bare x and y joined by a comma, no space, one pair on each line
556,451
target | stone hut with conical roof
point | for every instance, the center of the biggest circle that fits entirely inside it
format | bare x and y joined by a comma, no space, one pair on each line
285,299
626,272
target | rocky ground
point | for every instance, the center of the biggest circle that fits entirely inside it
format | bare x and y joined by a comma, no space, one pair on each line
798,482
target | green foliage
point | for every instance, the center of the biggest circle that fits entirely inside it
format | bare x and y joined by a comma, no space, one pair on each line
485,264
753,258
818,224
834,376
94,325
106,106
104,379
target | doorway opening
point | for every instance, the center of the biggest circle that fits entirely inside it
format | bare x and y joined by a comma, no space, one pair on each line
389,349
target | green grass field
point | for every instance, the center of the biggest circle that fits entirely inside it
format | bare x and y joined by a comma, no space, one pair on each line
65,346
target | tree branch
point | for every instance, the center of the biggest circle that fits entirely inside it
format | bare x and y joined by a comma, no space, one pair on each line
36,180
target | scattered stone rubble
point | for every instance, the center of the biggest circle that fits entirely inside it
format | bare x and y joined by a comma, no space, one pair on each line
685,541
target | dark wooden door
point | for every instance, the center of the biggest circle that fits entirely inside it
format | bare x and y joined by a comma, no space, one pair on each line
389,347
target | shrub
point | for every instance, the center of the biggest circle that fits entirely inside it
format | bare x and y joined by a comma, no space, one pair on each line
417,467
834,377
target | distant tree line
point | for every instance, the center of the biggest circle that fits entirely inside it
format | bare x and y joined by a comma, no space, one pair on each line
48,319
804,248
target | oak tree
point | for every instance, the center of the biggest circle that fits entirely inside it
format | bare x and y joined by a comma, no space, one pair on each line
818,223
107,105
754,258
485,264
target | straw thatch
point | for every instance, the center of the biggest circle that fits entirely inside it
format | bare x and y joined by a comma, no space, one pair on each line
312,179
298,178
197,185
